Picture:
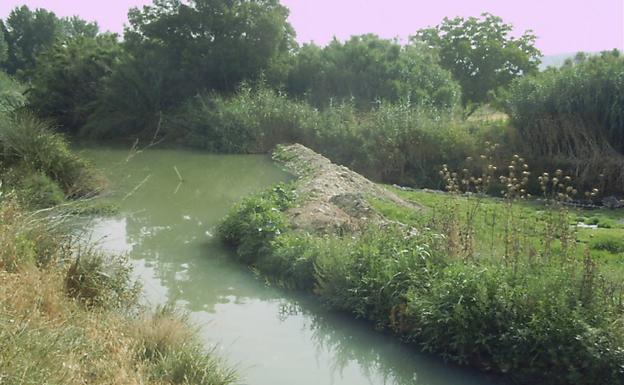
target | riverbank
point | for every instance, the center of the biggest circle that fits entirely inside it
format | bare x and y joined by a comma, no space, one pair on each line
428,277
69,314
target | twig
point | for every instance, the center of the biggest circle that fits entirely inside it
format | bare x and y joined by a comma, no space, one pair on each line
135,189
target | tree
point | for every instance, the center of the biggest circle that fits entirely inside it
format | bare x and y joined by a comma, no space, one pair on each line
4,49
29,33
70,75
368,69
74,27
211,44
481,54
176,49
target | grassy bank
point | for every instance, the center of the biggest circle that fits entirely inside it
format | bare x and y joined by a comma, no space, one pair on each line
524,294
68,314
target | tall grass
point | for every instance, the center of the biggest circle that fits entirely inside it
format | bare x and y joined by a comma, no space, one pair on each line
393,142
29,146
571,118
69,316
529,308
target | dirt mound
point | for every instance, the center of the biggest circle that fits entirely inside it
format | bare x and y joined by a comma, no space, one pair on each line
334,197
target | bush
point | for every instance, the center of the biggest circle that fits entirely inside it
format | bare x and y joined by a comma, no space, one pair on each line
613,243
254,223
29,143
39,191
11,94
100,281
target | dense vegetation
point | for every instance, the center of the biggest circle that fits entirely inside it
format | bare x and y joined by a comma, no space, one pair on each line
499,286
69,314
229,76
492,284
573,117
394,142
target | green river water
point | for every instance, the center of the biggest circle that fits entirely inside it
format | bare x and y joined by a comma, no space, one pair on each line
269,336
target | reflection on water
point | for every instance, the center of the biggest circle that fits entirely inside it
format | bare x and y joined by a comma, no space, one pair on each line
271,337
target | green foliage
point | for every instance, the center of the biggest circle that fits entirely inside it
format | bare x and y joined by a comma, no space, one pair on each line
607,241
11,94
236,40
69,77
39,191
26,241
253,121
570,118
174,50
254,223
397,143
559,313
497,318
29,33
170,348
480,54
4,48
368,69
28,143
97,280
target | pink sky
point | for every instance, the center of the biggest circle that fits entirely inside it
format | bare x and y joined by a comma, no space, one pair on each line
562,25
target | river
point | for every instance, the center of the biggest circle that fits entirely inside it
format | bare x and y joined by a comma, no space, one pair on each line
170,202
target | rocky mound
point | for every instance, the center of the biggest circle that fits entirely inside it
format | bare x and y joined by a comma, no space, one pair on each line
334,197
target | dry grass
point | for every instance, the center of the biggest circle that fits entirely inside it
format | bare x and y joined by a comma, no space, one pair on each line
48,335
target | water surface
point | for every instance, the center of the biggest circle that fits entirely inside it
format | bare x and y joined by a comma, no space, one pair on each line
170,203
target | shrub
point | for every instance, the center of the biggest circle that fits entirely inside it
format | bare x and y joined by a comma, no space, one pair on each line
495,318
254,120
613,243
29,142
392,142
101,281
254,223
39,191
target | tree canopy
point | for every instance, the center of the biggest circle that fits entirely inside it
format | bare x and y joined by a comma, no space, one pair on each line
368,69
28,33
69,77
4,49
175,49
211,44
481,54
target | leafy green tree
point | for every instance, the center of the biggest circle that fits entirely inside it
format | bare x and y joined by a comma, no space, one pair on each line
211,44
4,54
368,69
69,76
73,27
481,54
176,49
29,33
